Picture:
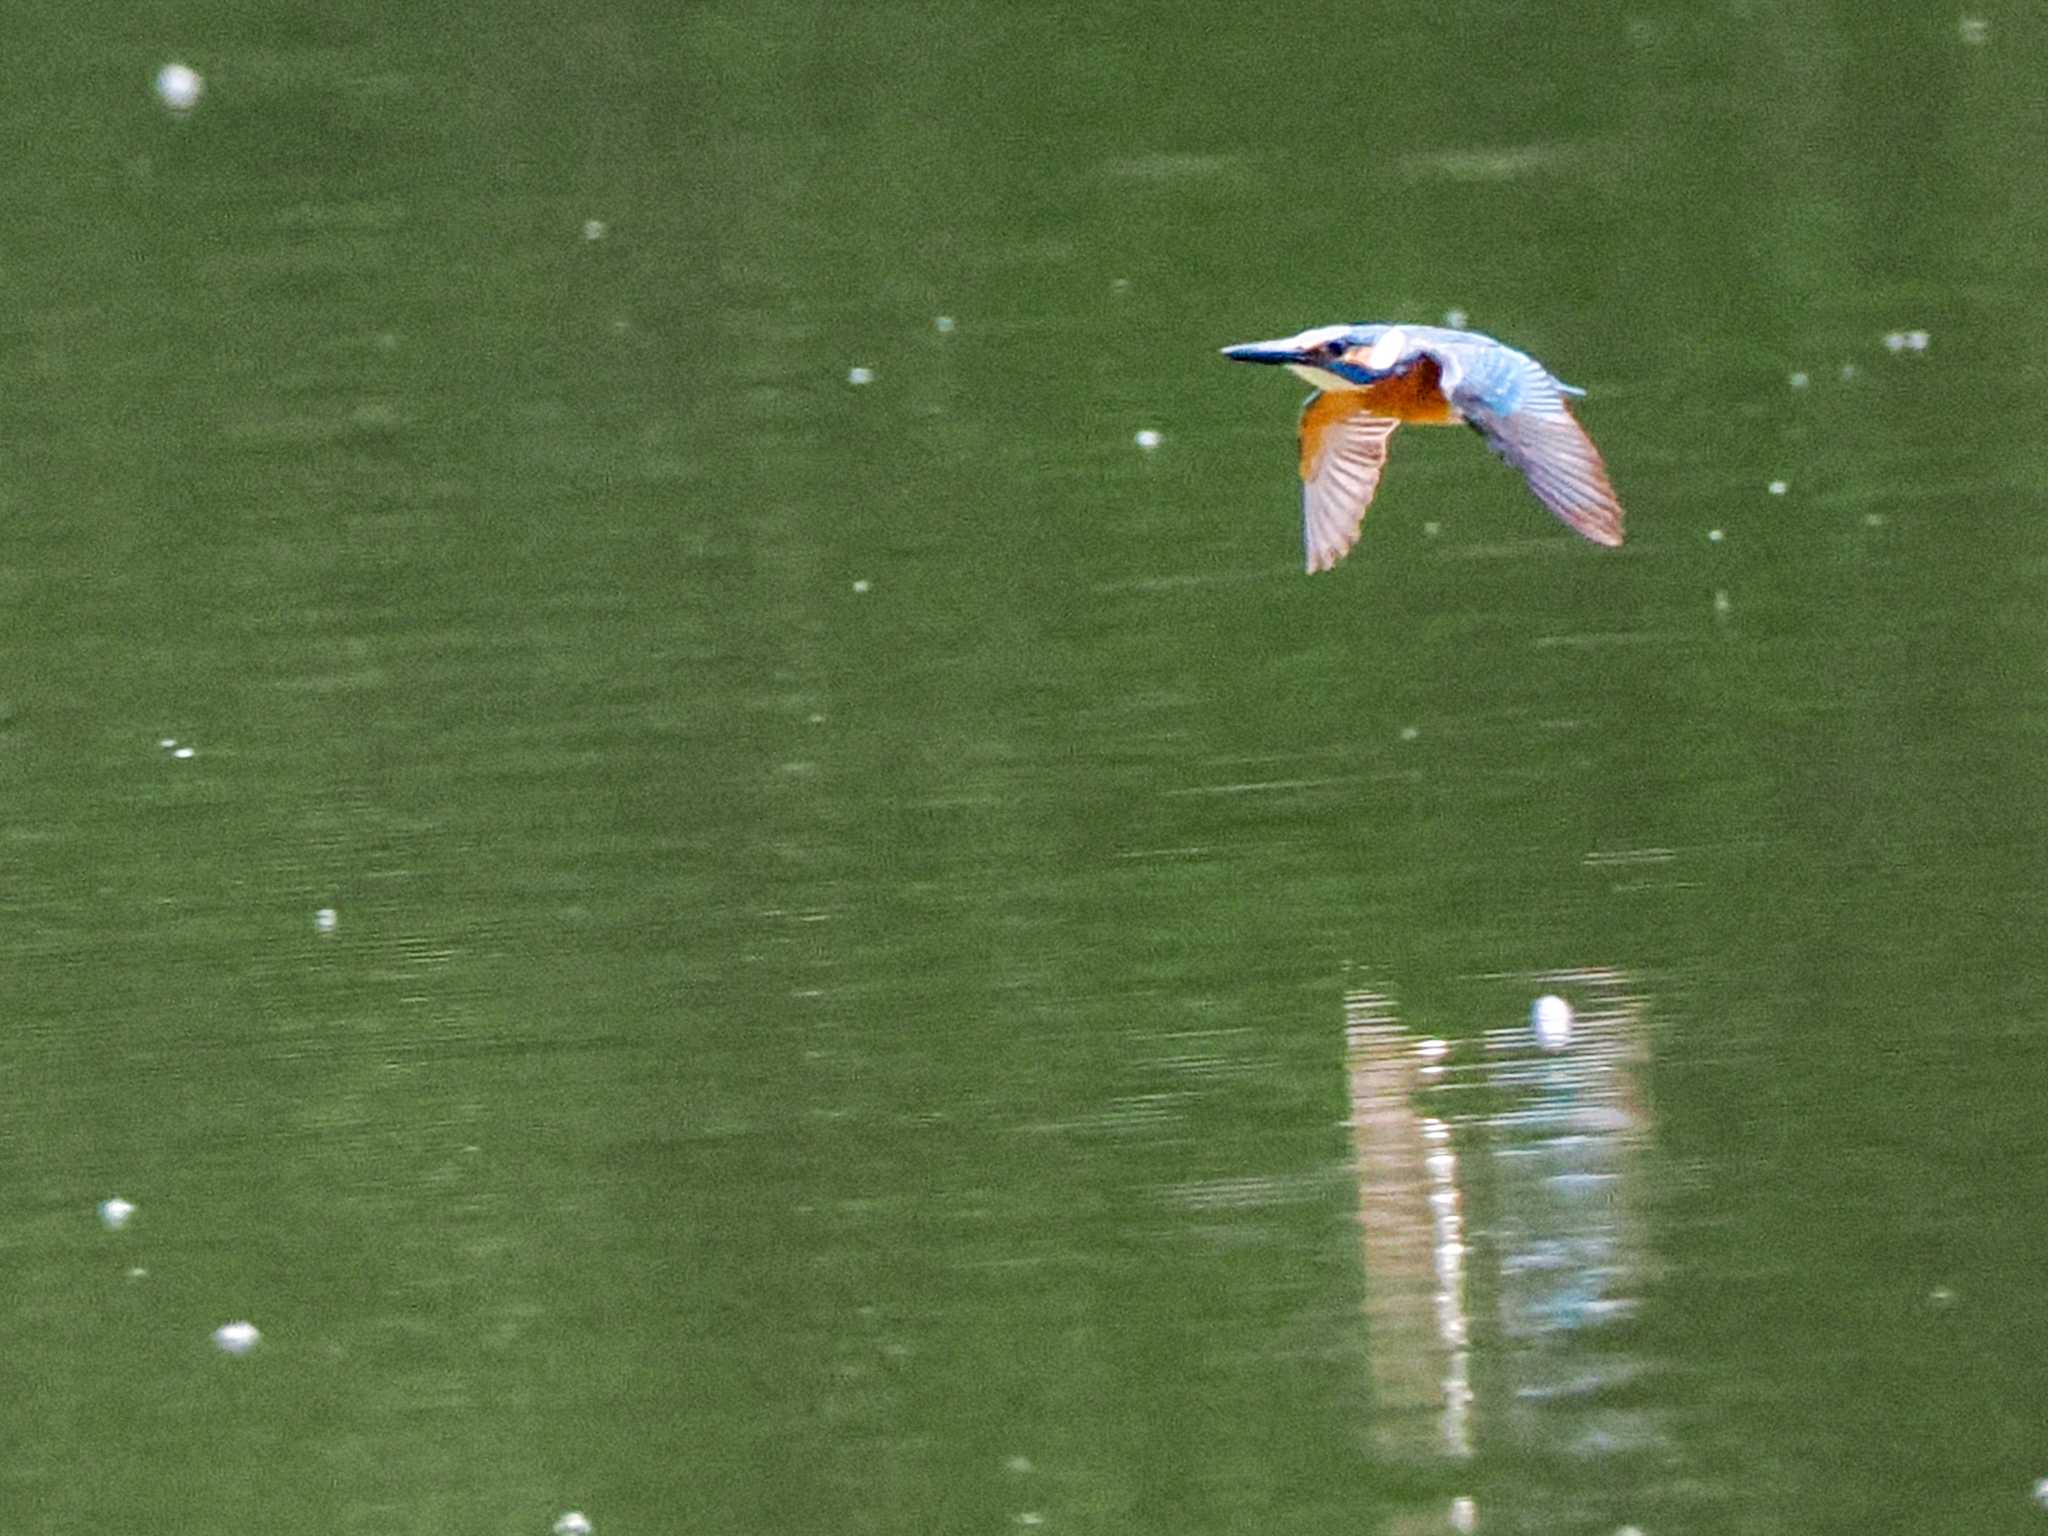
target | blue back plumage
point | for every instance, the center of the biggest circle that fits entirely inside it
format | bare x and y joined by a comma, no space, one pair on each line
1477,370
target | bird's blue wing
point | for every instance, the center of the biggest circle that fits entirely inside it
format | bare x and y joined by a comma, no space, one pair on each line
1519,408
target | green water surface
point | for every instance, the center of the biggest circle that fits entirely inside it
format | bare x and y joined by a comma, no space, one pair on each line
845,894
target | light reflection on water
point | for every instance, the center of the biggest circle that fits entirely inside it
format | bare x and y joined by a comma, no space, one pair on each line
1505,1243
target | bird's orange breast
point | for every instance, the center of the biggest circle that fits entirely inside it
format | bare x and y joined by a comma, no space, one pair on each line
1415,394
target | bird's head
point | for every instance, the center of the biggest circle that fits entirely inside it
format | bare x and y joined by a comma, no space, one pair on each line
1331,356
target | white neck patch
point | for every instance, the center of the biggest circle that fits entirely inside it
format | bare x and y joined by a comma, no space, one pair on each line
1387,350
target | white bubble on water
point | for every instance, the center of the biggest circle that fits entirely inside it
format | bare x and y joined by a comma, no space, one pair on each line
1410,732
573,1523
1973,29
1715,535
168,742
1455,319
1721,603
1916,341
1550,1020
593,229
2041,1493
115,1213
1432,528
943,324
236,1338
179,87
324,920
1147,439
1798,381
859,375
1464,1515
1778,487
182,752
1895,341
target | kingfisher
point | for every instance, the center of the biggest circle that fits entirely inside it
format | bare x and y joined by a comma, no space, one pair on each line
1371,378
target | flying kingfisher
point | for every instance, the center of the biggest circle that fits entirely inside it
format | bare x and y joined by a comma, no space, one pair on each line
1371,378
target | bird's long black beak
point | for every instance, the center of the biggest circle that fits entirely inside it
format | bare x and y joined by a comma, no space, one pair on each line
1262,352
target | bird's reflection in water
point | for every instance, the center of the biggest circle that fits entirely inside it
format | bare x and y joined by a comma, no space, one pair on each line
1505,1248
1411,1227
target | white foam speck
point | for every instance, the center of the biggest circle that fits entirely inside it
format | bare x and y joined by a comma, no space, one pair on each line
1464,1515
859,375
1973,29
168,742
324,920
863,586
1721,604
593,229
182,752
943,324
1410,732
179,87
1147,439
573,1523
1550,1021
1455,319
115,1213
1715,535
236,1338
1777,487
1798,381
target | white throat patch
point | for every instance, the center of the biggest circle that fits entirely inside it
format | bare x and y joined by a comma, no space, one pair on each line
1321,378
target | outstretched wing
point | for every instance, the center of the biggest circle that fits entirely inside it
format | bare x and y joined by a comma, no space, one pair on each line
1561,465
1520,410
1343,449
